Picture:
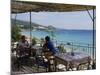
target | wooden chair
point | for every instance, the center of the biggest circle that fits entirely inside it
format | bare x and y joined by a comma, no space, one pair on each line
40,61
22,56
50,57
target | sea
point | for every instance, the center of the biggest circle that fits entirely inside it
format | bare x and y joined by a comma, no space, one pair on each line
79,36
82,39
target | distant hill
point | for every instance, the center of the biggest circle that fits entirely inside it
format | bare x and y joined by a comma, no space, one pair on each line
26,25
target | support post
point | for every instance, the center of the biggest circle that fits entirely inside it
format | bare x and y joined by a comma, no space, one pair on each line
15,18
30,34
94,56
89,13
30,29
93,33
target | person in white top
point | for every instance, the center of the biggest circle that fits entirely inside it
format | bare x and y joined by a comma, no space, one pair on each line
23,42
23,45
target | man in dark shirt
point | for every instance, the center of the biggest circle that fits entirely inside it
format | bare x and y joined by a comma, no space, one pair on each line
49,45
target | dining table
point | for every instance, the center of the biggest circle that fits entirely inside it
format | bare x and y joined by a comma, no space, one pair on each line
72,60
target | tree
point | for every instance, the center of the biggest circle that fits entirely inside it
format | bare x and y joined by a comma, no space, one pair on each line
15,32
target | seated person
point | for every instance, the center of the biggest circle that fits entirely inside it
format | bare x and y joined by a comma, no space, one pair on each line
49,45
23,42
23,45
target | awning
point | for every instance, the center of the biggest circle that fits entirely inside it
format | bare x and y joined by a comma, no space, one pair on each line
24,6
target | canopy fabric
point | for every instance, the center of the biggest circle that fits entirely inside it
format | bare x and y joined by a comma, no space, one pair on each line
24,6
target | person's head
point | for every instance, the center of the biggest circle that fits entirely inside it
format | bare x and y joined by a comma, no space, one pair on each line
23,37
47,38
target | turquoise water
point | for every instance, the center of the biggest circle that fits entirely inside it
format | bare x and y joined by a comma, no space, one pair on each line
81,36
82,39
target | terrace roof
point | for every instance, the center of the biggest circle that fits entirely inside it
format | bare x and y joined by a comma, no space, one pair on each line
27,6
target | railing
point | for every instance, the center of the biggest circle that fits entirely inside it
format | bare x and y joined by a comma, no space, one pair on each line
77,47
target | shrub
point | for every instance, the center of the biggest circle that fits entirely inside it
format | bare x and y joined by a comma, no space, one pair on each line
15,33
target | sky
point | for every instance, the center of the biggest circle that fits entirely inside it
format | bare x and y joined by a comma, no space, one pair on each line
64,20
